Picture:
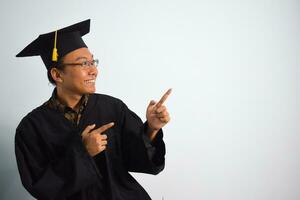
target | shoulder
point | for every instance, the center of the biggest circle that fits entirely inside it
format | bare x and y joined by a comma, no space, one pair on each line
105,97
111,106
107,100
32,120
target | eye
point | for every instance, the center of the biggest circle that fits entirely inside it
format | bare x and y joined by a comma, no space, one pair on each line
85,63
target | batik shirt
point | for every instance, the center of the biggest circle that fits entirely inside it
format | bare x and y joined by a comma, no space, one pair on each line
69,113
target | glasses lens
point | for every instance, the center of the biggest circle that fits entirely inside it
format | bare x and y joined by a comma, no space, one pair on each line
95,62
85,64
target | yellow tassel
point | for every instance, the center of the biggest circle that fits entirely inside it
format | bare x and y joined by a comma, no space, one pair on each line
54,53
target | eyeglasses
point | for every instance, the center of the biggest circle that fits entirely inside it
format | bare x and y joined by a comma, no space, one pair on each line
84,64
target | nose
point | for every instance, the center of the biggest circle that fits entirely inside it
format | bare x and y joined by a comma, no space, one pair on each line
93,71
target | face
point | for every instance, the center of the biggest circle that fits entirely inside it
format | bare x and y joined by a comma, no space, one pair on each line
76,79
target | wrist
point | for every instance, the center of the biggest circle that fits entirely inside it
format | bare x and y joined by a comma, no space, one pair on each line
151,133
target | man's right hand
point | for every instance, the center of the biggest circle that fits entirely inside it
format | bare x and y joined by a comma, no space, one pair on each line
94,141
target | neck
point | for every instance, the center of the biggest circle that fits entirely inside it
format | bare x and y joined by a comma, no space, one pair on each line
68,98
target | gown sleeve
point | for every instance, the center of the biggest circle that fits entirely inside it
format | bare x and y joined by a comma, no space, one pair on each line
46,177
139,152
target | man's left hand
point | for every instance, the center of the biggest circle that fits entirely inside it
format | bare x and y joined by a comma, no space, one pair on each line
157,115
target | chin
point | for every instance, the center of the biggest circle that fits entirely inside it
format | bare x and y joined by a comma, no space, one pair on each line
87,89
90,91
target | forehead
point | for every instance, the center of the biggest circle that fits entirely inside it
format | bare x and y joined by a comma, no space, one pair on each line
81,53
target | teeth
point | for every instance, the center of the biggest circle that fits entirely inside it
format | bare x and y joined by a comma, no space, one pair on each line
89,81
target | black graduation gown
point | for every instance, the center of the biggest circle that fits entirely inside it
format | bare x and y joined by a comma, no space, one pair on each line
54,164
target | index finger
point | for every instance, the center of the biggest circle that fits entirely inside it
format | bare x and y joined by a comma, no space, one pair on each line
104,127
164,98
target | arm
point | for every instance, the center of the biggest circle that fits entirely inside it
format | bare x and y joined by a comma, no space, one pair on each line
144,148
140,154
48,177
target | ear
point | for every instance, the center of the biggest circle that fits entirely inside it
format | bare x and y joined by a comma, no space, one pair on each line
56,75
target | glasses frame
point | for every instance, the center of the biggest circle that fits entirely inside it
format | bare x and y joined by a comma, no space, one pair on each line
84,64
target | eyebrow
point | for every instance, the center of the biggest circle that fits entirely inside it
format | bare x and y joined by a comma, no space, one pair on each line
83,57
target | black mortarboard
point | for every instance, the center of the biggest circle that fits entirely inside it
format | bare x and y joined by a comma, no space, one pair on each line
57,43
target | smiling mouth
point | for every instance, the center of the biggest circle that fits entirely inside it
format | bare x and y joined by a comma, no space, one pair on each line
89,82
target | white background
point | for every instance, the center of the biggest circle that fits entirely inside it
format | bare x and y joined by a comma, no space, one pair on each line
233,67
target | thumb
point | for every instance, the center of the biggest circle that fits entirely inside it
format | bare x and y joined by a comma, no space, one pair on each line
87,130
152,103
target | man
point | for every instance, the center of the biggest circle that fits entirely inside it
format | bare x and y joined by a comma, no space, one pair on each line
81,145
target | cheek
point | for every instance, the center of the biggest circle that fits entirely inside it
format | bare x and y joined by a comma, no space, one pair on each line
75,77
79,75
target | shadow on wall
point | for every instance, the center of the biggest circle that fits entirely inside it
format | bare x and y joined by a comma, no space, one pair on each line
10,184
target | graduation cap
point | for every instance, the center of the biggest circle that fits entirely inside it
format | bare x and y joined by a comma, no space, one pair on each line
54,45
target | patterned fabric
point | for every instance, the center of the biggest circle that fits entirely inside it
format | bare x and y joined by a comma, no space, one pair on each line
69,113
